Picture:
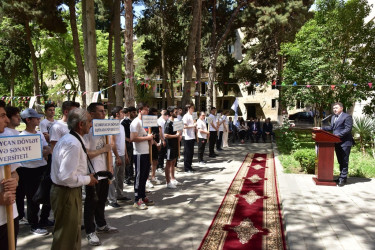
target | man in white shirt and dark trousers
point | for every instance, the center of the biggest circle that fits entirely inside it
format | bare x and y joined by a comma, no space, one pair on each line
68,179
163,147
30,175
189,134
96,196
213,132
220,132
119,159
141,154
202,136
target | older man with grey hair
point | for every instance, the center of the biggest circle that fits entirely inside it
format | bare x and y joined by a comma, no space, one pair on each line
69,173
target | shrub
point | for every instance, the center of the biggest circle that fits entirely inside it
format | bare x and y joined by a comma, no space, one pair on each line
286,137
306,158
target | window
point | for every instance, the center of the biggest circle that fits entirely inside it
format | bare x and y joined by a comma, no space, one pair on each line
300,104
273,103
203,88
226,104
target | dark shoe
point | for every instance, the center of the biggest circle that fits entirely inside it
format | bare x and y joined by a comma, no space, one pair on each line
114,204
212,156
124,199
219,149
216,155
46,223
341,182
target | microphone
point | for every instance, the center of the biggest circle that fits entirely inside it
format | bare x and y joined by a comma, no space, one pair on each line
326,118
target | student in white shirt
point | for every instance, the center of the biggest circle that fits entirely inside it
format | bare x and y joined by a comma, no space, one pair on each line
68,179
8,190
213,124
120,158
96,197
60,128
203,135
46,124
141,154
189,135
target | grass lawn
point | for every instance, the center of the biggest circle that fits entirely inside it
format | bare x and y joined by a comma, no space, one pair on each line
359,165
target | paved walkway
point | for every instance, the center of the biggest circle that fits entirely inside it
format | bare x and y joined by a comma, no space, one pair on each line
315,217
326,217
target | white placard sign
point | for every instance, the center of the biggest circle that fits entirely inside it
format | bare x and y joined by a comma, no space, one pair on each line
95,97
20,148
195,116
32,101
105,127
209,120
149,121
178,125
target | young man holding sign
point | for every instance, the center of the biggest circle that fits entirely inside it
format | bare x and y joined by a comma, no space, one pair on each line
8,189
96,197
189,133
140,139
172,137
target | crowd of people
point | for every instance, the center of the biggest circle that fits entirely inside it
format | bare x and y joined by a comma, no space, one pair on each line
77,162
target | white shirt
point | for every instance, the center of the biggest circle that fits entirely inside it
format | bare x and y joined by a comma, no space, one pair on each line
201,125
179,118
139,148
46,125
161,123
189,133
10,131
120,142
13,167
99,162
214,121
67,151
38,163
58,130
221,127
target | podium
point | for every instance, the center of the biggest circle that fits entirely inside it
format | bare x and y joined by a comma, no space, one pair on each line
325,142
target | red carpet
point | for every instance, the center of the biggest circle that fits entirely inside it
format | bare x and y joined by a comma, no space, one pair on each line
249,216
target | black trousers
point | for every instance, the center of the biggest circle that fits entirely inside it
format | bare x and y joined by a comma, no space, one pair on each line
213,138
264,136
161,156
4,234
201,146
188,154
342,154
129,171
255,136
219,140
29,179
142,170
96,196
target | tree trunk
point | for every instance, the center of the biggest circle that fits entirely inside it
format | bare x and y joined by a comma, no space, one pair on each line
164,73
186,96
198,61
118,55
170,98
91,68
111,91
76,49
33,60
129,55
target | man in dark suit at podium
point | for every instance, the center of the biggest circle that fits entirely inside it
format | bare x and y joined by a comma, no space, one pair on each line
341,125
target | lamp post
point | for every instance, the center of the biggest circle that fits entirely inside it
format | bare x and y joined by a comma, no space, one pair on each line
68,87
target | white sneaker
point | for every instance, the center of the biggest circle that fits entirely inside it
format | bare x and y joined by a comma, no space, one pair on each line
93,239
106,229
149,184
176,183
39,231
156,181
160,170
171,185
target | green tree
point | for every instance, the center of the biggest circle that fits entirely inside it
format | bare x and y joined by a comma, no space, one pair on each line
328,51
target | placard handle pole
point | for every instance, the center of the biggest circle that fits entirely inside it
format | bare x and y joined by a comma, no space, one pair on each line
9,210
